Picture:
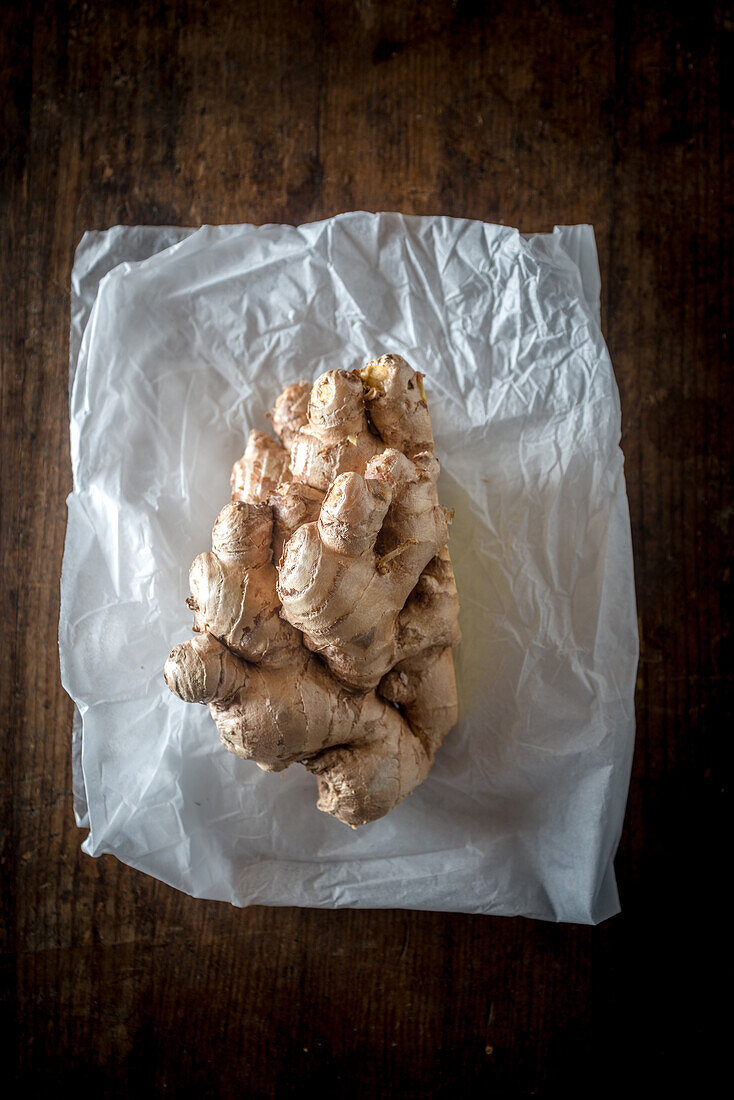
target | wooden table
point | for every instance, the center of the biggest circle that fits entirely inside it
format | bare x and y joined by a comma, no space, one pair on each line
529,114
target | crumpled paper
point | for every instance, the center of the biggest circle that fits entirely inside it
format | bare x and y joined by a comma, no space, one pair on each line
180,341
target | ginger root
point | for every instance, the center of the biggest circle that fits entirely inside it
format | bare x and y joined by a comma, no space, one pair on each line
326,610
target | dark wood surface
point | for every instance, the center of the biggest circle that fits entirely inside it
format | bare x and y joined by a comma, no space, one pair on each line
524,113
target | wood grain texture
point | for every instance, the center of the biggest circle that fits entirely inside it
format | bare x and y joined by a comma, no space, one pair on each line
524,113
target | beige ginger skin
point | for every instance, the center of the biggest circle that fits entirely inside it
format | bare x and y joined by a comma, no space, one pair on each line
326,610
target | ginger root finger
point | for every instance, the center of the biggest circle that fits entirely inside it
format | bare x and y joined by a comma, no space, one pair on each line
291,412
336,438
396,403
233,587
431,612
363,782
260,470
352,513
202,670
294,503
424,687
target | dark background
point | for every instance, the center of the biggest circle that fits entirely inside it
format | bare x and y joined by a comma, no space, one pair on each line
524,113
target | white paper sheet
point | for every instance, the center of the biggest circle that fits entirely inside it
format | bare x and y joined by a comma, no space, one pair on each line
181,340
